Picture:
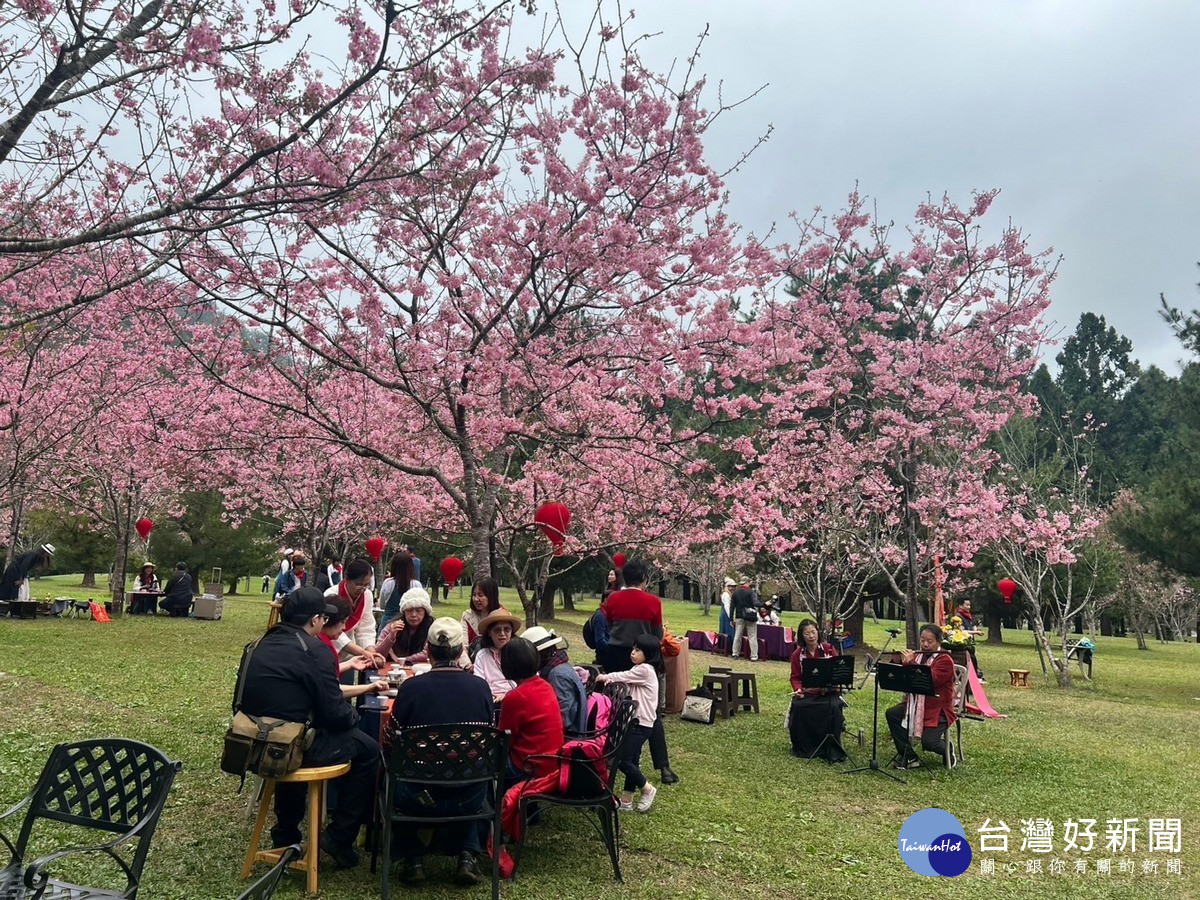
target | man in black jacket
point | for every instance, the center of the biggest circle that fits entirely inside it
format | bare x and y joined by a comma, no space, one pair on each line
291,676
744,609
14,584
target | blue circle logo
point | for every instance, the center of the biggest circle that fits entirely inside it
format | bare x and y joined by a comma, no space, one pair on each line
933,842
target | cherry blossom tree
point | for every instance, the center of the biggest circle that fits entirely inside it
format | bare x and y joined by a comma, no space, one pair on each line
516,321
885,374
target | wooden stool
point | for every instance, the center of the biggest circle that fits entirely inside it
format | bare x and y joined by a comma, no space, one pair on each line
721,684
717,670
1018,677
273,615
745,690
316,777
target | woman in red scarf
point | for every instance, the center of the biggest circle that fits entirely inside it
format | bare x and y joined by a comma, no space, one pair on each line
359,637
924,717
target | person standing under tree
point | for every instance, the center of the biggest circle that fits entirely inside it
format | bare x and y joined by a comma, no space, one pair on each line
14,583
630,613
745,614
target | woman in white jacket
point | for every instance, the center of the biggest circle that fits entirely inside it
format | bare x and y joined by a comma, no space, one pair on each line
359,637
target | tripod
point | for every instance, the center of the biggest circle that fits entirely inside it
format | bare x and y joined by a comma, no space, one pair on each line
872,663
873,763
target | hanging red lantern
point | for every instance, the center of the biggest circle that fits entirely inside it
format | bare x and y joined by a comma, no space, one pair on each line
1007,588
619,560
375,547
452,567
143,526
553,518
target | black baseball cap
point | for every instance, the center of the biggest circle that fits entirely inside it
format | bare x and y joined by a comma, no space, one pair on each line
306,602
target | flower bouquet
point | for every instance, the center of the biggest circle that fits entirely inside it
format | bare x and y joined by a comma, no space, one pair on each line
955,637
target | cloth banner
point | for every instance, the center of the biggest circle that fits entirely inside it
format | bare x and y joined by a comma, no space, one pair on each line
980,705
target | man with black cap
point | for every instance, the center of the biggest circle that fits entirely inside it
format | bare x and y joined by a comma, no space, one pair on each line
290,677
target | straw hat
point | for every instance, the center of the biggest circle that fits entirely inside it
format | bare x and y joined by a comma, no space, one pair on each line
496,617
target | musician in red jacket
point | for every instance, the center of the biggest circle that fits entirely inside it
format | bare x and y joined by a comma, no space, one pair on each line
923,717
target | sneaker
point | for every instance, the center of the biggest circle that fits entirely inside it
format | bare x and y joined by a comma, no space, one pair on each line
912,763
344,857
625,805
668,775
468,872
647,799
412,871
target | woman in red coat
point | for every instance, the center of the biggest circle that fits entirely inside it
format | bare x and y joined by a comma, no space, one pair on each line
923,717
815,712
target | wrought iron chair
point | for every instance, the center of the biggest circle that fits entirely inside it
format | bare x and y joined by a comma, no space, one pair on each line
589,794
264,888
444,756
111,785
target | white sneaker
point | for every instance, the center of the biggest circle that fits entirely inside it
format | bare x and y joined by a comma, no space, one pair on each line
625,805
647,799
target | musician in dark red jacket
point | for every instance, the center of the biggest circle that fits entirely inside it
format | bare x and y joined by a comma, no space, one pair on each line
924,717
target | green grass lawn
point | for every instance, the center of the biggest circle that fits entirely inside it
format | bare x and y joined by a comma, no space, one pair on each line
747,820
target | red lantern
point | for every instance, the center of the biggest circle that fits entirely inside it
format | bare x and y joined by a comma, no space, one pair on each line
452,567
143,527
553,518
1007,588
375,547
619,560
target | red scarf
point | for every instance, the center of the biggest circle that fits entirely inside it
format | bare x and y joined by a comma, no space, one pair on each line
337,667
357,611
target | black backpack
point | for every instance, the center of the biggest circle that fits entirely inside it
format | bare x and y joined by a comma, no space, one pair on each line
589,629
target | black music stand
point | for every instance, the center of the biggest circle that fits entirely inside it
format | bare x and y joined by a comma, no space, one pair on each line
830,672
871,663
906,680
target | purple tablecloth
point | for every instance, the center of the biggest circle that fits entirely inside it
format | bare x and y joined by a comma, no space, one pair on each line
774,642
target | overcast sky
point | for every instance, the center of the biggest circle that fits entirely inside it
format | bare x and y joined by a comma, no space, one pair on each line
1085,113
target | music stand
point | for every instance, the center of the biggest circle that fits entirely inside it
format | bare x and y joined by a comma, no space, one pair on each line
830,672
906,680
872,663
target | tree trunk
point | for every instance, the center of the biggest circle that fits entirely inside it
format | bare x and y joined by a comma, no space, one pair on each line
706,596
89,578
1061,673
568,601
546,604
481,553
995,624
1141,636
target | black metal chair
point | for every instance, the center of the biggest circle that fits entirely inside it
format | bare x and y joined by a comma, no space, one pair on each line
111,785
264,888
444,756
589,794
